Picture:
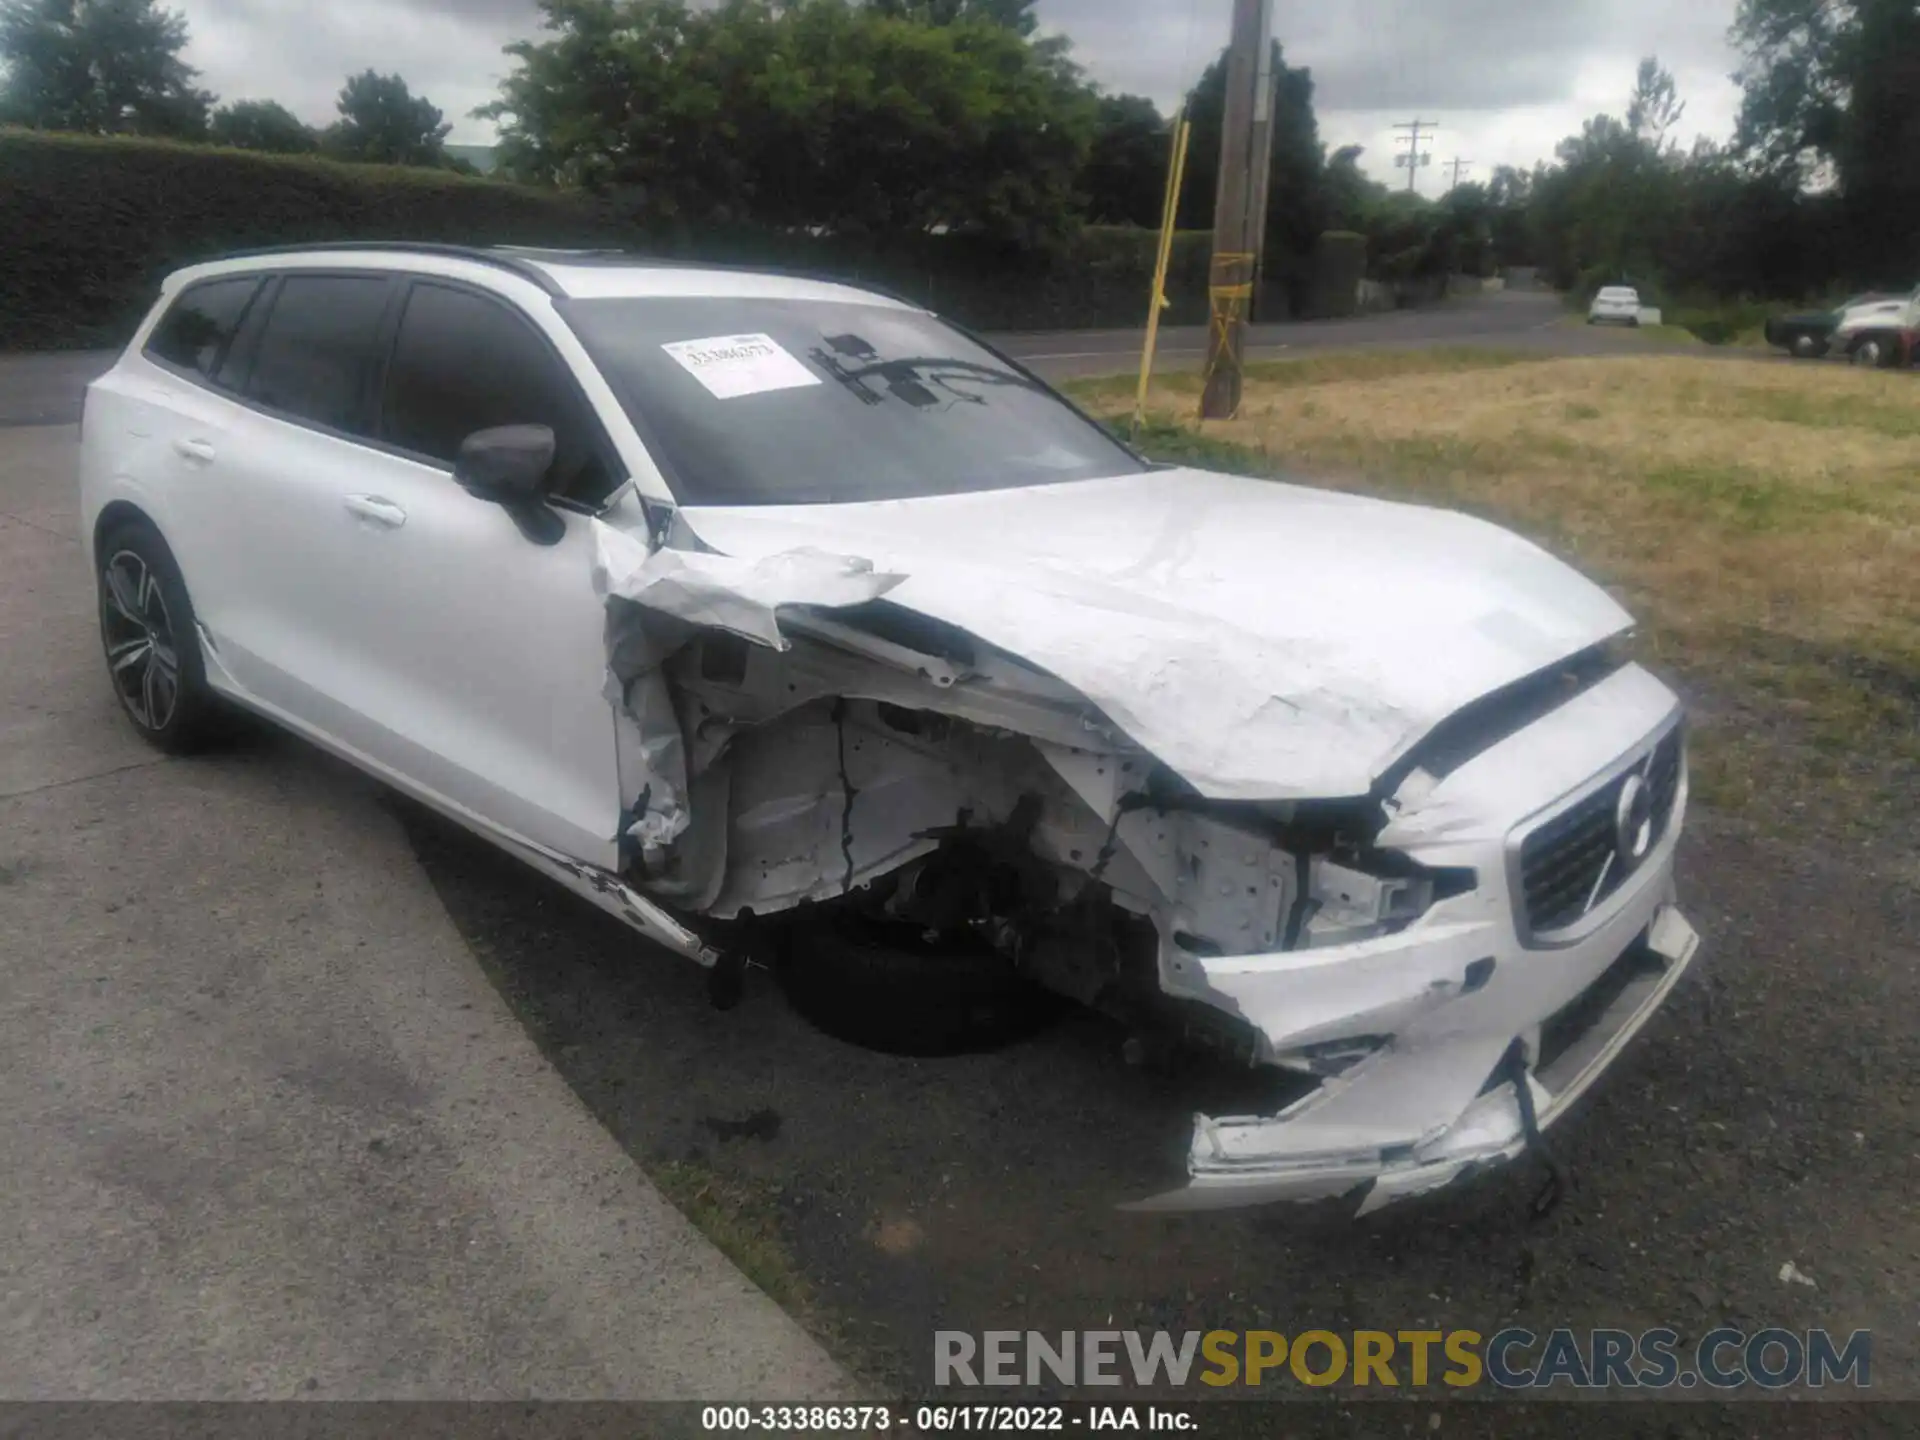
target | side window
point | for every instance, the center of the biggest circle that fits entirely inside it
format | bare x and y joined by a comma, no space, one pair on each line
195,333
319,345
462,363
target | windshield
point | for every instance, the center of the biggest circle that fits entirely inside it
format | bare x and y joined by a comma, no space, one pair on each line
808,402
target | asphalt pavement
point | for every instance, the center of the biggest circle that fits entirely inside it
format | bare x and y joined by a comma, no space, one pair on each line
269,1131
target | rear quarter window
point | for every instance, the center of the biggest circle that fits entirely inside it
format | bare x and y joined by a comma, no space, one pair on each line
195,332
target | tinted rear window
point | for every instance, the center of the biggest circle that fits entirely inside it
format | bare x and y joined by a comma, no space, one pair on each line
316,355
195,333
795,402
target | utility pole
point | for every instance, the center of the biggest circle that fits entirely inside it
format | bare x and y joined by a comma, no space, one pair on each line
1456,165
1415,156
1239,208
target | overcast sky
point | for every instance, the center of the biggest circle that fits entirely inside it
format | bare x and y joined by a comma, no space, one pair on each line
1504,79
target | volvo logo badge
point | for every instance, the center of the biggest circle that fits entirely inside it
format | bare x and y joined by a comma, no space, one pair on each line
1633,822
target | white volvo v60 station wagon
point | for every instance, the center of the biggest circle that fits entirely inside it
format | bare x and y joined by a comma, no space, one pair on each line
796,626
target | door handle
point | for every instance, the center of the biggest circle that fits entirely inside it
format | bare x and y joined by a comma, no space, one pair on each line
379,511
199,450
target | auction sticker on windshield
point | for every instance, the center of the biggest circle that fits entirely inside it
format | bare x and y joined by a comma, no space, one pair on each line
734,365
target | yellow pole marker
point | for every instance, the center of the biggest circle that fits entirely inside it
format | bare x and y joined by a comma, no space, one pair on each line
1170,215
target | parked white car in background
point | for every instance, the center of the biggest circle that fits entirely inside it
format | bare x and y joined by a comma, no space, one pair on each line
785,621
1616,305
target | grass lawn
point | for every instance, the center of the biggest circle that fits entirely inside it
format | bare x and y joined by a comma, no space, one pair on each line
1762,521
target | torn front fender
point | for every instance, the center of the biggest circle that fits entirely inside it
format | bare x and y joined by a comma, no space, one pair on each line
643,587
723,593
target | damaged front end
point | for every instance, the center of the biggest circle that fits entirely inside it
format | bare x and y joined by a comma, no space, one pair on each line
1495,913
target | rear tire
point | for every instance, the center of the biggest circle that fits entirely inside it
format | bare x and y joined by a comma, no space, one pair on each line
887,988
151,640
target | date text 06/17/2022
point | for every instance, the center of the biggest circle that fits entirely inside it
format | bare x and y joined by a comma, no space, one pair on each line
947,1419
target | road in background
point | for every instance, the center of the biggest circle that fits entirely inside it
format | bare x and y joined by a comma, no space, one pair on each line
1525,319
46,389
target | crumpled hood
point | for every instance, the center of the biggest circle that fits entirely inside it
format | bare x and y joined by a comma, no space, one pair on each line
1263,640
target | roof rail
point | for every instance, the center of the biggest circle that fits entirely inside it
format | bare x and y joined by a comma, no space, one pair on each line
525,261
503,258
724,267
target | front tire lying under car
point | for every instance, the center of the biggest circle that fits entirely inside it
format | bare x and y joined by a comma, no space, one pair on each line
896,989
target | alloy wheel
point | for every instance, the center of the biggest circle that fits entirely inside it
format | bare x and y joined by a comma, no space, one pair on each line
137,631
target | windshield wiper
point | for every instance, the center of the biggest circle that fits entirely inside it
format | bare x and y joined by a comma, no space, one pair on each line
909,379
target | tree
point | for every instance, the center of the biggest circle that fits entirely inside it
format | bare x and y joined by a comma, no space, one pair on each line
1829,98
1125,182
1800,58
1405,240
1510,194
1625,202
1351,196
805,114
383,122
1656,106
262,125
1467,221
1620,204
101,67
1016,15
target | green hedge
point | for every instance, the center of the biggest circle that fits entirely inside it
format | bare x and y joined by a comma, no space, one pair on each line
1101,277
89,226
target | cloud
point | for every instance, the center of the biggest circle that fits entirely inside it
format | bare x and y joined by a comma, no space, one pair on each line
447,50
1505,79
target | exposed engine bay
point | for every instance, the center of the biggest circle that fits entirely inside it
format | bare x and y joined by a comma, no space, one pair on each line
895,765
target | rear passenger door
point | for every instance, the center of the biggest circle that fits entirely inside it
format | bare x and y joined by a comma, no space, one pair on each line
265,491
471,658
178,413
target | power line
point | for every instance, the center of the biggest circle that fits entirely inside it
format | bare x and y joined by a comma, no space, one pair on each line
1415,156
1456,165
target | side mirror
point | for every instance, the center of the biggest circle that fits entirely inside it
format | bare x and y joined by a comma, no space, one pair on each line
507,462
507,465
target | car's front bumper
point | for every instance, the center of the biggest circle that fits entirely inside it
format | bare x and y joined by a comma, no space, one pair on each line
1227,1167
1446,998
